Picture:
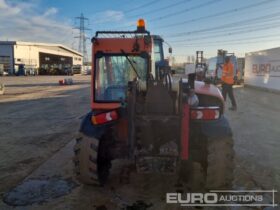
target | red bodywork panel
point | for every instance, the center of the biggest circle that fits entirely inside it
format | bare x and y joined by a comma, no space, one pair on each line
203,89
207,89
210,90
115,46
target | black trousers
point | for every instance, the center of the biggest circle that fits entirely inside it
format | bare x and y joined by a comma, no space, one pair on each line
227,89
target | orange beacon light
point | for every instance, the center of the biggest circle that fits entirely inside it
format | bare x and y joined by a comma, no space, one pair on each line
141,25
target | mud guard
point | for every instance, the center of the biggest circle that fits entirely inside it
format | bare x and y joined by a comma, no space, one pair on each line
218,128
90,130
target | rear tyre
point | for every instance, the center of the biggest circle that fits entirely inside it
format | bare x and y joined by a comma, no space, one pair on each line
91,162
220,163
211,167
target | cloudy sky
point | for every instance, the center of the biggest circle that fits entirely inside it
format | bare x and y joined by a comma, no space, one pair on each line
238,26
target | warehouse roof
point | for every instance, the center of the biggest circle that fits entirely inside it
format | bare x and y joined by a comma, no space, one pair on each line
52,45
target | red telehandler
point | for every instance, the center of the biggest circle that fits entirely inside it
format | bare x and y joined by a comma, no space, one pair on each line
140,111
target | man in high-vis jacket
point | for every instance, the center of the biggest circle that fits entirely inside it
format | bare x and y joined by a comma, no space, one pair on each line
227,82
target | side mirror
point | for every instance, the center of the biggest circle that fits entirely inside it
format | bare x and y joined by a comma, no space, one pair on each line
170,50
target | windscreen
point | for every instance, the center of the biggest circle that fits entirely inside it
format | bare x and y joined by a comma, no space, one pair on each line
112,74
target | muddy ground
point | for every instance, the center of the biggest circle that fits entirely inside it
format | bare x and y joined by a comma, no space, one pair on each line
39,120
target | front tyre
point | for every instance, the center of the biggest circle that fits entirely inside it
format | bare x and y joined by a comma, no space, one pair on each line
91,165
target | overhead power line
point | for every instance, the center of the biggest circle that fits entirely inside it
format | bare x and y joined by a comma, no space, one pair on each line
217,14
224,35
180,11
230,34
141,6
237,43
238,27
232,40
228,25
153,11
204,4
230,31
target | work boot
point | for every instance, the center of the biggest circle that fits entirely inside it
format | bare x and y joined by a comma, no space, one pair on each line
233,108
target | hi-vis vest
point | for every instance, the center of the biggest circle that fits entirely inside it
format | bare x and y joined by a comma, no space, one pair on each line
228,73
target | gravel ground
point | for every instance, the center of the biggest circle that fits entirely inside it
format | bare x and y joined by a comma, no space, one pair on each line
38,117
39,120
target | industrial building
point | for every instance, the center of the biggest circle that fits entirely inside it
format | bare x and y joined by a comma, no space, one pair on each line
262,69
35,56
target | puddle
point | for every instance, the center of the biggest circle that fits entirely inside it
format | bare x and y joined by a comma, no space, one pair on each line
38,191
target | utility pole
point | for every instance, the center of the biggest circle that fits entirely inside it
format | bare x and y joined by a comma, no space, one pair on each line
82,36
